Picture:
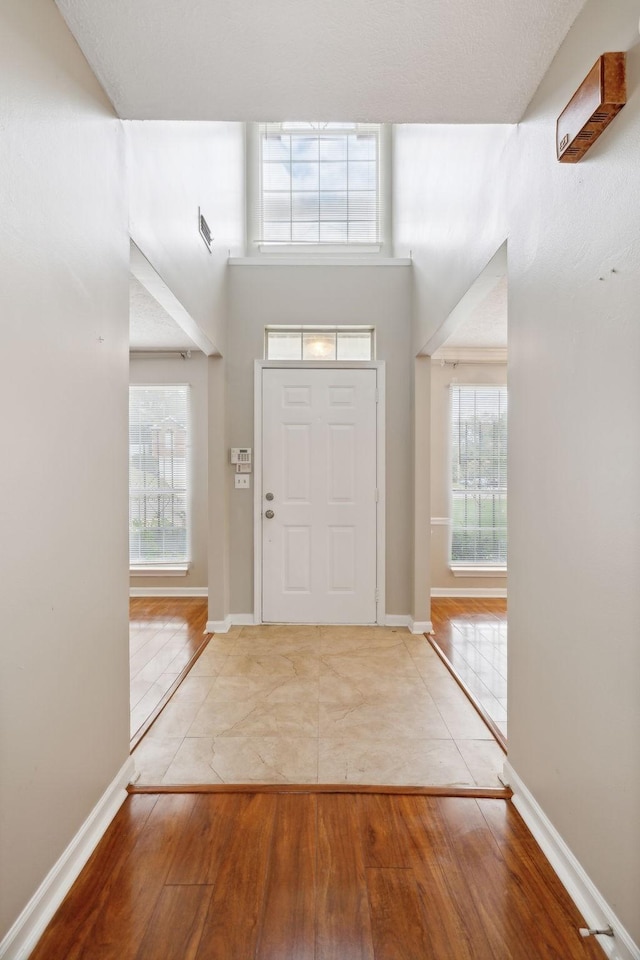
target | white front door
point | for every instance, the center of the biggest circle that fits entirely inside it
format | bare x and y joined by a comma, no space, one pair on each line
319,495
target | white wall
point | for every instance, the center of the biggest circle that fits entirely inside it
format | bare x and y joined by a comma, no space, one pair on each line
442,376
449,212
378,296
174,168
194,371
574,464
64,253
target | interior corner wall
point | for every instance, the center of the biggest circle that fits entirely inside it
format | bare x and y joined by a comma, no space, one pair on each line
574,463
174,168
442,376
318,295
449,211
64,691
192,370
218,491
421,406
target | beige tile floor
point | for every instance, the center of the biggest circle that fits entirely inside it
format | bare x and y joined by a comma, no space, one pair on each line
315,704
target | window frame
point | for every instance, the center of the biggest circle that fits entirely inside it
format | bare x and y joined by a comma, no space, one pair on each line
256,247
480,567
305,330
166,566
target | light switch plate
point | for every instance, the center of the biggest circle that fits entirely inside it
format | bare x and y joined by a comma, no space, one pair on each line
242,481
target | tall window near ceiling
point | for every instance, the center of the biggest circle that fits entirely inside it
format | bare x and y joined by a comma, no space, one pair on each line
319,185
479,476
159,448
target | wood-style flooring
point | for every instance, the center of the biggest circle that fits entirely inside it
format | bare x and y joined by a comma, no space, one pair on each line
316,877
472,636
166,636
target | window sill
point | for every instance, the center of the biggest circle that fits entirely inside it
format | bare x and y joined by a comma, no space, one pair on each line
478,571
320,260
157,570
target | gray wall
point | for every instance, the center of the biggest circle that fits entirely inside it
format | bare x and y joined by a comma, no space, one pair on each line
194,371
378,296
64,250
574,463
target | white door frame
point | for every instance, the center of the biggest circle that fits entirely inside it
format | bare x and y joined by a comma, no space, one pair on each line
379,367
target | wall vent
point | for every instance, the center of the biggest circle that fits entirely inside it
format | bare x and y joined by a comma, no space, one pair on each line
205,230
598,99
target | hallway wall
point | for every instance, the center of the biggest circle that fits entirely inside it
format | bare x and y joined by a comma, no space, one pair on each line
574,463
378,296
64,255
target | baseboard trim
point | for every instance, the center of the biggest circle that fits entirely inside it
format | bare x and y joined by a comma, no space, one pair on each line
231,620
168,592
477,592
420,626
30,925
586,896
248,620
405,620
397,620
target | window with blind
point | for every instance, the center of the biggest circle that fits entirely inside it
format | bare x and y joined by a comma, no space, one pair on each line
159,449
319,184
479,476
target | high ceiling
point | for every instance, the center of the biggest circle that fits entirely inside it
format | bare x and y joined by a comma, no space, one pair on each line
406,61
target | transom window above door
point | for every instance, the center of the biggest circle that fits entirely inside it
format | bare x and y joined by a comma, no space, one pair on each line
319,186
319,343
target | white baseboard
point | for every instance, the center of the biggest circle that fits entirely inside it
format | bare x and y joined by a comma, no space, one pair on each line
168,592
30,925
231,620
248,620
397,620
477,592
581,889
420,626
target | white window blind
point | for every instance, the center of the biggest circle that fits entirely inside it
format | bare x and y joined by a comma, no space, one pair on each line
479,475
319,183
159,450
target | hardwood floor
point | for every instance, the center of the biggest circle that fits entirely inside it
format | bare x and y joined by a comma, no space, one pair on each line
166,636
316,877
471,634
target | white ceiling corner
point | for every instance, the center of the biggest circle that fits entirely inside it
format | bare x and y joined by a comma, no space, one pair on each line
478,324
150,326
402,61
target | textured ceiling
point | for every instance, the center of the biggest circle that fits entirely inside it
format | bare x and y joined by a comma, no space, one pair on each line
150,326
412,61
486,323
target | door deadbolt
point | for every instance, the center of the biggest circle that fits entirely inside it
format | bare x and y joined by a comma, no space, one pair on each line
269,514
268,496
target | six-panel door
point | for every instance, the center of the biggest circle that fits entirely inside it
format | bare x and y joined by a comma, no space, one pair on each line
319,463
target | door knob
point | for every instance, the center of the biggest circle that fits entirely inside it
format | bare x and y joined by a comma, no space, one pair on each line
268,496
269,514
